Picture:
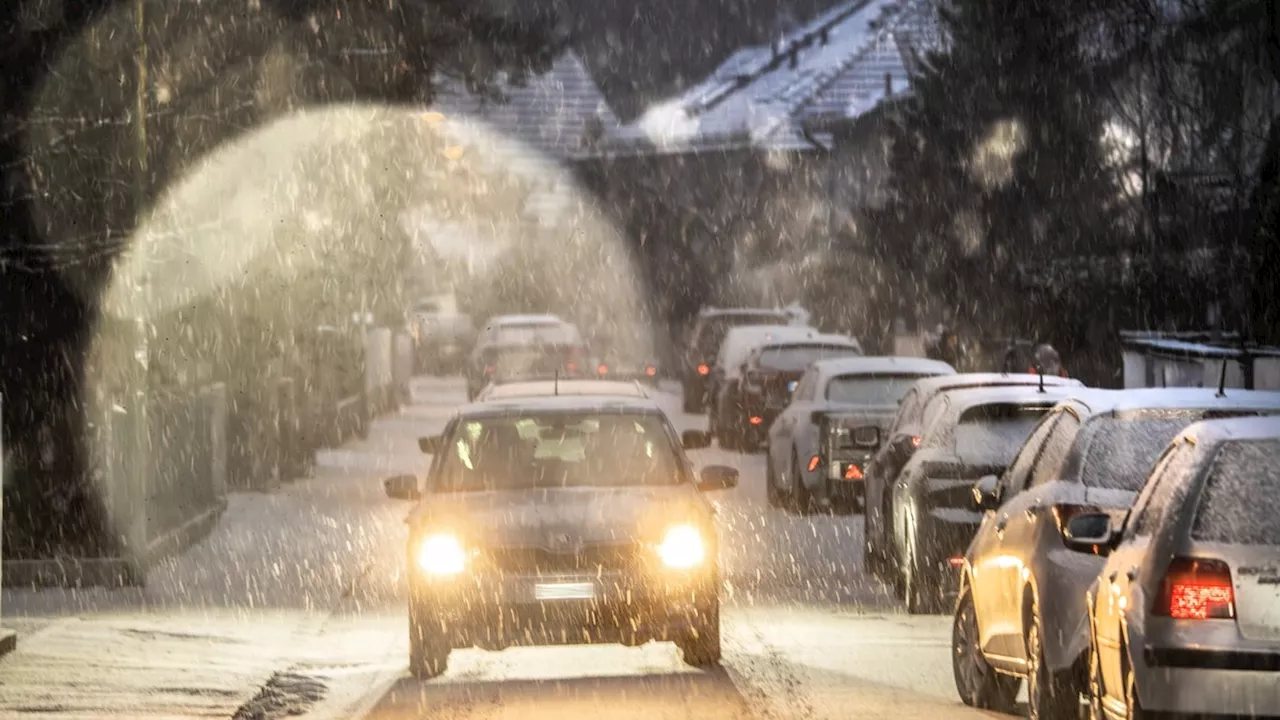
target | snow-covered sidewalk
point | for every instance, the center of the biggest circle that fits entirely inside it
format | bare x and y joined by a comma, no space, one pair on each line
238,622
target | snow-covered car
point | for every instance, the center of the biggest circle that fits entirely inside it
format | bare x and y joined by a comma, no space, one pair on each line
734,351
1184,615
525,346
442,335
561,520
973,433
1022,586
747,403
703,346
821,443
568,388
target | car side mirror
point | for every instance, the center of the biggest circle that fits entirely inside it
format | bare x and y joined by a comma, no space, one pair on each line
695,439
430,444
717,477
986,493
402,487
1091,533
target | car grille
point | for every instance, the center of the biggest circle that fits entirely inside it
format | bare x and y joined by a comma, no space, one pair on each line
591,559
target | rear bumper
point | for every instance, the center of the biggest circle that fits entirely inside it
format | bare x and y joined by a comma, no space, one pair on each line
943,536
1198,682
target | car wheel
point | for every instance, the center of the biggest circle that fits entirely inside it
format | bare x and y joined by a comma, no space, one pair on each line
978,684
728,434
870,552
428,651
1049,696
701,647
917,589
771,489
801,501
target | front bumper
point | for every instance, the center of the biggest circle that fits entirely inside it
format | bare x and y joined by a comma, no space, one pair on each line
499,610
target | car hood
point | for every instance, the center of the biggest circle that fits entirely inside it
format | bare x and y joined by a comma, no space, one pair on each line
549,517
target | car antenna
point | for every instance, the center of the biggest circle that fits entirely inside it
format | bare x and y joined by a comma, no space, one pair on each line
1222,380
1040,371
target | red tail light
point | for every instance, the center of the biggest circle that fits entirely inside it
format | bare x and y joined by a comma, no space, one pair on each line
703,370
915,441
814,462
571,367
650,370
853,472
488,370
956,561
1062,514
603,369
1196,589
1031,371
755,419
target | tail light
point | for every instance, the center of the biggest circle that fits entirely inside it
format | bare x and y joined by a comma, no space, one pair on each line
755,420
488,369
650,370
853,472
814,462
1062,514
703,370
915,441
602,369
1196,589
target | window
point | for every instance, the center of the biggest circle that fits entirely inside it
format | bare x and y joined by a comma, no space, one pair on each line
1241,500
993,433
908,409
1160,490
884,389
558,449
1015,478
1054,455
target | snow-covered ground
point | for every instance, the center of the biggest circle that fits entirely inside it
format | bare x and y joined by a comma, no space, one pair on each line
296,605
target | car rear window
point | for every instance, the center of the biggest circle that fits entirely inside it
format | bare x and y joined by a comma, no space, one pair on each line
794,358
884,389
1241,500
1122,449
714,329
993,433
533,333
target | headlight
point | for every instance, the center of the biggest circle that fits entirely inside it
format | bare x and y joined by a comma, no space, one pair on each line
682,548
441,555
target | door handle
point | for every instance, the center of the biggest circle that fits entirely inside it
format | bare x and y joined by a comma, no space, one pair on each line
1132,574
1001,523
1112,577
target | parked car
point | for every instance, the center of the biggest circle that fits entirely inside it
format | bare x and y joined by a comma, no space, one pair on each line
632,558
1022,586
747,401
1183,617
525,346
973,433
900,442
820,445
709,331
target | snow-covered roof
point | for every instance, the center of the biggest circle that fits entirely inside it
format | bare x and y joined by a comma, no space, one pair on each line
822,339
1209,432
1120,401
740,341
560,403
882,364
552,388
504,320
1186,348
965,398
764,97
929,386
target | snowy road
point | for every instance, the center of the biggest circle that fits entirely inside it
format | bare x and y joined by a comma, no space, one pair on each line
295,605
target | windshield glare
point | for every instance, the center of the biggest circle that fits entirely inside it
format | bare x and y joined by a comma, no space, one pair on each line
558,450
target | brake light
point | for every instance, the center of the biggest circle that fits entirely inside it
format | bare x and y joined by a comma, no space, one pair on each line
1062,514
488,370
703,369
915,441
852,473
814,462
1196,589
956,561
603,369
650,370
755,419
571,367
1031,371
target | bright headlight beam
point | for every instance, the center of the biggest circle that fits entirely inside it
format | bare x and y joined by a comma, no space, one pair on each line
441,555
682,548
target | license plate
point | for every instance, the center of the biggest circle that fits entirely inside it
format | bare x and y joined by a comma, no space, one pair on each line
564,591
791,386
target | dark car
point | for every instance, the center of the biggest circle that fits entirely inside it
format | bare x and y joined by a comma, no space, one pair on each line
614,359
561,520
749,400
902,439
972,433
704,343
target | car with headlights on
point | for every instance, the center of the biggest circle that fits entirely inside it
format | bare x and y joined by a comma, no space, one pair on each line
1021,613
562,520
821,443
901,441
1184,618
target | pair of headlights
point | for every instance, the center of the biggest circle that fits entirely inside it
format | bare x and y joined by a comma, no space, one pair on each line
443,555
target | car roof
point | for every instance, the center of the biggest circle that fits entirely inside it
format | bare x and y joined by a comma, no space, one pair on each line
818,339
714,311
561,403
1019,394
1209,432
552,388
881,364
500,320
1097,401
959,381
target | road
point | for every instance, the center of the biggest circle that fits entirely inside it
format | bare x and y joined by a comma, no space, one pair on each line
807,632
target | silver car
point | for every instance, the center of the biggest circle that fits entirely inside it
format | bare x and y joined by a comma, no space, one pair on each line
1185,616
1021,612
561,520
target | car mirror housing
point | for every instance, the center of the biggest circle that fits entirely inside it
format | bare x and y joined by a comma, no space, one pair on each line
402,487
986,493
1092,533
717,477
430,444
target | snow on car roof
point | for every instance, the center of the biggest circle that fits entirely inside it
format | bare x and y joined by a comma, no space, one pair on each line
551,388
882,364
1209,432
740,341
965,398
561,403
715,311
820,339
943,383
1106,401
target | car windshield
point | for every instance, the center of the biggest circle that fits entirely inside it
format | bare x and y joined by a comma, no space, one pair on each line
555,450
991,433
1241,500
794,358
1122,449
879,389
714,329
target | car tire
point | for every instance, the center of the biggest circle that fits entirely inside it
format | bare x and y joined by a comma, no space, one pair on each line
871,558
728,433
1049,696
771,489
978,684
692,401
918,592
701,647
428,652
801,501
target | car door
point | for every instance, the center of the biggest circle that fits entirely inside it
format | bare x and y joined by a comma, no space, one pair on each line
1121,569
990,579
782,434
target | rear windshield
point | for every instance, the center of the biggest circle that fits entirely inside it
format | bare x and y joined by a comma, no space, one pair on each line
795,358
530,361
870,389
1241,500
714,329
559,449
993,433
533,332
1123,449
